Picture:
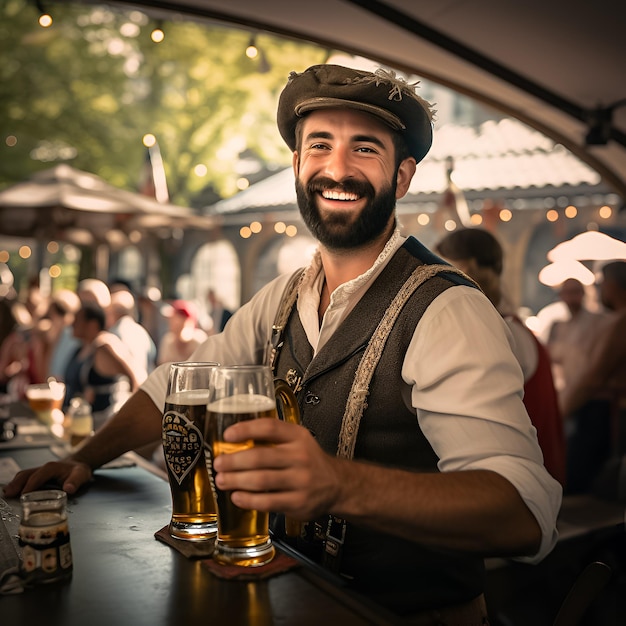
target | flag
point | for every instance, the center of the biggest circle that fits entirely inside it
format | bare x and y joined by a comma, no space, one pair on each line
453,204
152,181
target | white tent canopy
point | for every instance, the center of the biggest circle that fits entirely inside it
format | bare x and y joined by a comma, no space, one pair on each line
557,66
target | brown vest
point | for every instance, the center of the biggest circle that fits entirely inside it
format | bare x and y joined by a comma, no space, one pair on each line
402,575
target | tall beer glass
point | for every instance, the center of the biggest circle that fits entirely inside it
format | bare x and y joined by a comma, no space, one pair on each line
239,393
194,514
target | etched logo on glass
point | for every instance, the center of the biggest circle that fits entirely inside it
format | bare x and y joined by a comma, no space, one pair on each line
182,444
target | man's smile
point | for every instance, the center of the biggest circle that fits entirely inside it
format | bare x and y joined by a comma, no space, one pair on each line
330,194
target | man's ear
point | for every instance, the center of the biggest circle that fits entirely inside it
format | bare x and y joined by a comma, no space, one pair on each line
406,171
295,163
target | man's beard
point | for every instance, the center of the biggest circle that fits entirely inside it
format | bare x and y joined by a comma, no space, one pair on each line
340,231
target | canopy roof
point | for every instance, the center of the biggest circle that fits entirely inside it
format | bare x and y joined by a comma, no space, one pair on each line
559,66
502,159
82,207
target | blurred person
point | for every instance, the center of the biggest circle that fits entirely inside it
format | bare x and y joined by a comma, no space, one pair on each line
150,316
444,467
95,291
183,336
478,253
120,284
102,370
18,368
34,300
121,322
22,361
7,319
594,403
8,324
218,313
56,342
570,340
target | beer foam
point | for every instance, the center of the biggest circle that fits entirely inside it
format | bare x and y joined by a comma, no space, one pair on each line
243,403
190,397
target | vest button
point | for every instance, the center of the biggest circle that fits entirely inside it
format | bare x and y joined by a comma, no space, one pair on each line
311,398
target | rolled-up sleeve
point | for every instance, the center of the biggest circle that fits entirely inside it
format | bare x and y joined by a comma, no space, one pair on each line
467,389
242,342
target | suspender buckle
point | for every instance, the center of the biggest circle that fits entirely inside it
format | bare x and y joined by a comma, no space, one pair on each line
333,546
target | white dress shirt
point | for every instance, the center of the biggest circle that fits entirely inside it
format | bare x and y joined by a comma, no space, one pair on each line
467,384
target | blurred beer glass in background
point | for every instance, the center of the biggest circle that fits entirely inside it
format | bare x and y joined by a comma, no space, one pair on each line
239,393
46,400
194,515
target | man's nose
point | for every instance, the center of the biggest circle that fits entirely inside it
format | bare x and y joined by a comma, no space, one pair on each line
338,164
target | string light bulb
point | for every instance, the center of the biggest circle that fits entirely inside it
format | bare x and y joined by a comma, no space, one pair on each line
252,51
148,140
158,34
44,19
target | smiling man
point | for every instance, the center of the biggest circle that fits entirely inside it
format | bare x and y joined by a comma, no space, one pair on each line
337,169
415,458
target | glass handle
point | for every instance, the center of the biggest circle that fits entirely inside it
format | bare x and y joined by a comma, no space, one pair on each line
288,409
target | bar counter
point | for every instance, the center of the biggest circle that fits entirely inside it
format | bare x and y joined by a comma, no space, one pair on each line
123,576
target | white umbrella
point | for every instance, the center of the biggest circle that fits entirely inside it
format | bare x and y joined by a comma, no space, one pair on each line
589,246
555,273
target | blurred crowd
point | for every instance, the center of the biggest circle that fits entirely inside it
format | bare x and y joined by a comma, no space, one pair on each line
574,368
101,340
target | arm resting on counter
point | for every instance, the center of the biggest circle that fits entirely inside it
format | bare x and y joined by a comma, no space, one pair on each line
136,424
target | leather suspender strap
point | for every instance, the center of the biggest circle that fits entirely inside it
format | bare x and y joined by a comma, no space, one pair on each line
357,399
285,307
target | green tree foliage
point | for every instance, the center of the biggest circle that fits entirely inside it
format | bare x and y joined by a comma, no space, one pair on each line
87,89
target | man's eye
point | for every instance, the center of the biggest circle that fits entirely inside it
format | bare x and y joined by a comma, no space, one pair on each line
365,149
318,146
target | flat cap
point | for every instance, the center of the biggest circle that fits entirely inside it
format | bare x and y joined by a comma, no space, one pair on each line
382,94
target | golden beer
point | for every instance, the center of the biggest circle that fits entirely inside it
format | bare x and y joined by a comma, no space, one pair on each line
45,405
242,534
46,400
194,514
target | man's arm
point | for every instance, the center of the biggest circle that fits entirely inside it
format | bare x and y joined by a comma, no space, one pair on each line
137,423
476,511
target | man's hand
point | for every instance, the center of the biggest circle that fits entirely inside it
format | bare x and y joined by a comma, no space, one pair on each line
70,475
475,511
136,424
291,474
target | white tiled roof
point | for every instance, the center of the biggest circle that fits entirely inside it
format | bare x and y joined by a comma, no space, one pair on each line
496,156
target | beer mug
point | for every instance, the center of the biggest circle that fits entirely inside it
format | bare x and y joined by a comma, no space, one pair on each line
194,514
44,537
46,400
240,393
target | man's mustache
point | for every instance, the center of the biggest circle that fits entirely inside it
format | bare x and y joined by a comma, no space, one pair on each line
349,185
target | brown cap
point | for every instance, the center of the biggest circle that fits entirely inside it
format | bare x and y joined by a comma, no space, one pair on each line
382,94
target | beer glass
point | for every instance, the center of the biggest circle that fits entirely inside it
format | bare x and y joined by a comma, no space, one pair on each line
236,394
194,514
46,400
44,537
